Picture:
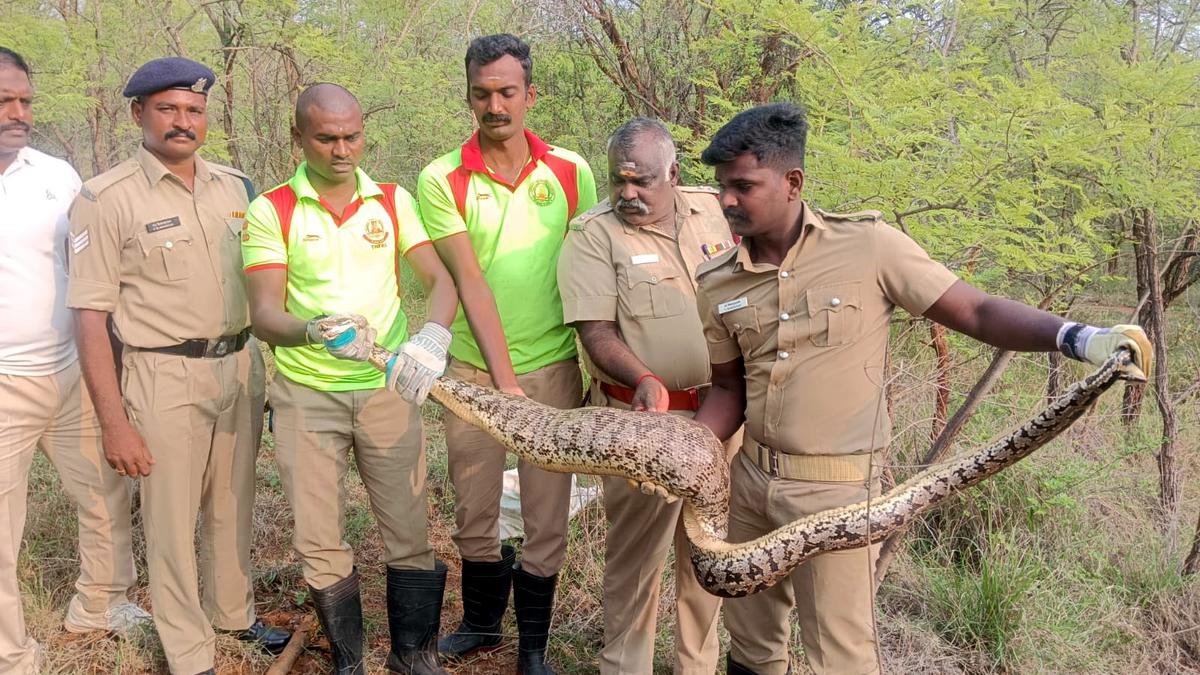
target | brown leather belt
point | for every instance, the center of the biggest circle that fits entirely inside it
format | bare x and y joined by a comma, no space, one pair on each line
205,349
688,399
831,468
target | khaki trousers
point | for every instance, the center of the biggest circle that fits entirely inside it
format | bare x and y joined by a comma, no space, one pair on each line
198,418
314,432
477,464
641,530
832,592
54,413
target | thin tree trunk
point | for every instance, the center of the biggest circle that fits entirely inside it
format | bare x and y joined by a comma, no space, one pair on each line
1054,379
937,335
1191,564
1154,320
1147,281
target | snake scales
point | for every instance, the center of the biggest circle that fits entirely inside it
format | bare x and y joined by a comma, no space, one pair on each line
683,457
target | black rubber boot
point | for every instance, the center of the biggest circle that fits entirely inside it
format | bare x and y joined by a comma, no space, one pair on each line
339,608
533,598
414,609
485,588
734,668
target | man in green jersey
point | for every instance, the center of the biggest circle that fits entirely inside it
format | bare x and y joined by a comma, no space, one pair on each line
497,210
330,240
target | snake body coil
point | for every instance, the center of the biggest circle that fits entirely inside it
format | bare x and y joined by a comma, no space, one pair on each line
683,457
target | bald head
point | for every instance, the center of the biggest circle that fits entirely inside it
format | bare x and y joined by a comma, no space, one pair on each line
328,98
329,129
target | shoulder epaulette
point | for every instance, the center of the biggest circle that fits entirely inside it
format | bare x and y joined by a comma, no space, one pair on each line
580,222
92,188
717,262
221,168
867,214
703,189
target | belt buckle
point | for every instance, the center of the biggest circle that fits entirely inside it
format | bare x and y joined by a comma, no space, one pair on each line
772,462
221,348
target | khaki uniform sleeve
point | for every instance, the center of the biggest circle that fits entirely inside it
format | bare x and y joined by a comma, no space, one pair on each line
411,229
587,279
722,346
906,273
95,256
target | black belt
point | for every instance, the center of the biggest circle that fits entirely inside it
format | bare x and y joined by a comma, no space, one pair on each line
205,349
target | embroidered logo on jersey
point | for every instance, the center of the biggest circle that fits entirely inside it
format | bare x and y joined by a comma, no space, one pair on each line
50,196
541,192
375,233
312,237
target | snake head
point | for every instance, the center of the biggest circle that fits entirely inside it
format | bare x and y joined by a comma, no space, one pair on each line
1122,360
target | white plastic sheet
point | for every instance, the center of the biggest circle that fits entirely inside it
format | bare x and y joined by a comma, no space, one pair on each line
512,526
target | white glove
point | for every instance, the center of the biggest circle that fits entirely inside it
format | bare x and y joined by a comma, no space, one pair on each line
346,336
421,360
1094,345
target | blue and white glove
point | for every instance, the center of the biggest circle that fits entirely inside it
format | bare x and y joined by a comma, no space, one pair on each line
1094,345
346,336
419,362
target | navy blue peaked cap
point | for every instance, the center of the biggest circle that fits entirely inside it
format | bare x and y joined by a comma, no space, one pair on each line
172,72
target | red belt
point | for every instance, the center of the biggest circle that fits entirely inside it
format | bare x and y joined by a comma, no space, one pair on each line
688,399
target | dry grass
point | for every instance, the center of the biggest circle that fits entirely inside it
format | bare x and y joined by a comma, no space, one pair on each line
1054,567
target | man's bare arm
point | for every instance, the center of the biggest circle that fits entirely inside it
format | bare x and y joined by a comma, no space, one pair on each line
999,322
271,322
724,409
480,307
612,355
124,448
437,282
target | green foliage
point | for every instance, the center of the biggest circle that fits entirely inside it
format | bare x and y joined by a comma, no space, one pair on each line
1011,139
982,609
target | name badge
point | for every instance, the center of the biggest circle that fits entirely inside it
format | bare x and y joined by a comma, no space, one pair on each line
644,258
164,224
727,307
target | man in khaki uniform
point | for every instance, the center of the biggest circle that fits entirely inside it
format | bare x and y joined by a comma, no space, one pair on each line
155,246
796,319
43,404
627,279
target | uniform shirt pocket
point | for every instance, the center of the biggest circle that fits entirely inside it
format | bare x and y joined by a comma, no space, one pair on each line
834,314
649,295
744,325
237,226
165,255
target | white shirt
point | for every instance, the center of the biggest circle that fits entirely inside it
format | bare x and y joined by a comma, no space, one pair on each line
36,328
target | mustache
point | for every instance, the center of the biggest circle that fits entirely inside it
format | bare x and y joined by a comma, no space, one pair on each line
732,213
637,204
15,125
490,118
191,135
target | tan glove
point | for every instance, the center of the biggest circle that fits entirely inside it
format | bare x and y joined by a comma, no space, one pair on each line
1094,345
